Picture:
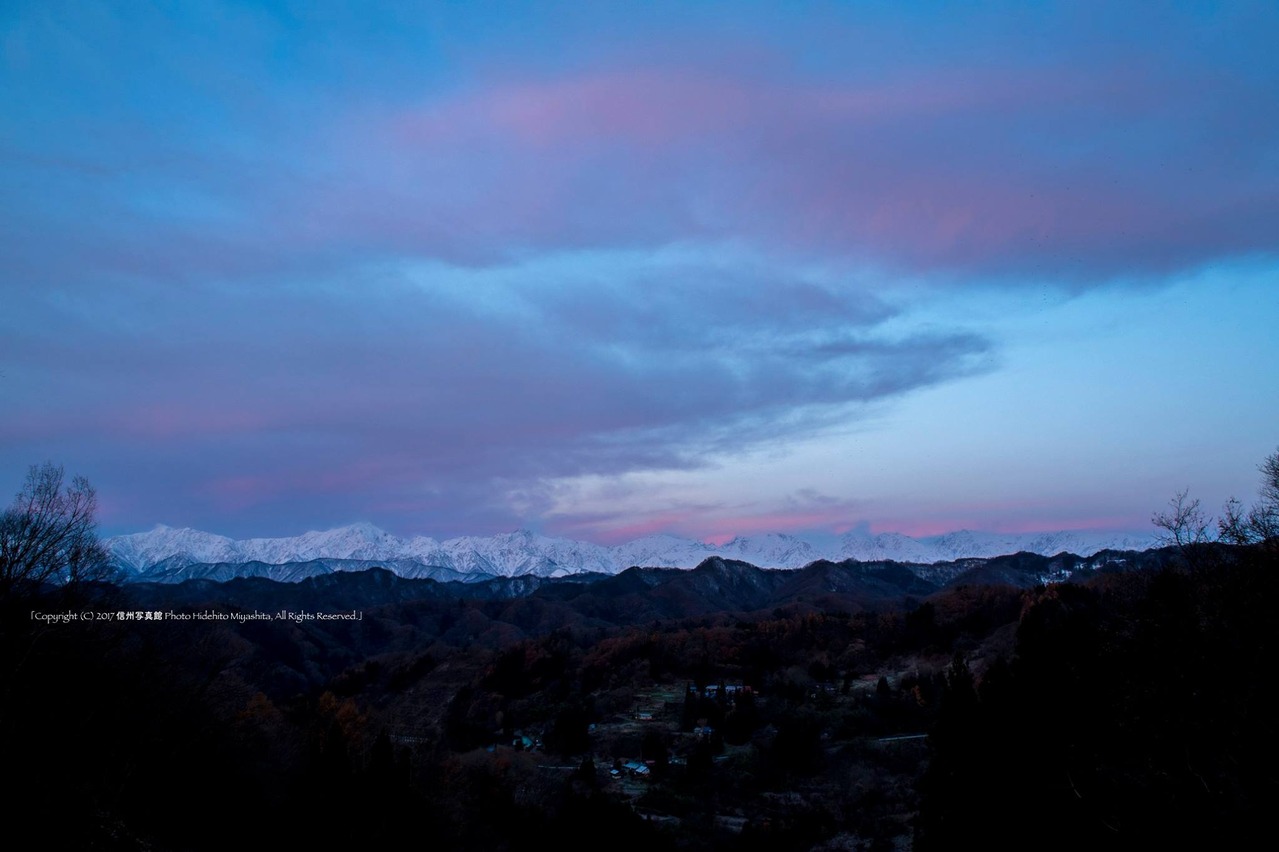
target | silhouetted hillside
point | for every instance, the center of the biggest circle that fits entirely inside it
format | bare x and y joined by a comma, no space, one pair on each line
724,707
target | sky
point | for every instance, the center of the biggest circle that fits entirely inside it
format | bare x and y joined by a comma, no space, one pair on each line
605,269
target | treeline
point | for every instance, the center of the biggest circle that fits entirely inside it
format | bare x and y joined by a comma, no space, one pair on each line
191,734
1118,712
1134,713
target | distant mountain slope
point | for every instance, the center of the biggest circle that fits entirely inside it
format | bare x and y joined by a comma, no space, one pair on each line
171,555
641,595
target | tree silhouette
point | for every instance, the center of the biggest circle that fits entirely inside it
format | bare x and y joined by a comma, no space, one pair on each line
1186,525
49,534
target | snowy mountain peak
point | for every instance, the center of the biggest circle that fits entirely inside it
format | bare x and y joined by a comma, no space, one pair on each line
526,552
363,528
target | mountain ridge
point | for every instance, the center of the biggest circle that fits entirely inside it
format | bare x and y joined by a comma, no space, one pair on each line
166,554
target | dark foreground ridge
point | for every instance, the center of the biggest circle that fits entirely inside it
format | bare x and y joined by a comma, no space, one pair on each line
640,594
1017,702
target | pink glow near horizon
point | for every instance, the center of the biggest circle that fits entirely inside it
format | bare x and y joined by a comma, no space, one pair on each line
695,523
613,532
1042,523
839,518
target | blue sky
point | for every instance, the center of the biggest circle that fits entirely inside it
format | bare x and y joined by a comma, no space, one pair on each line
609,269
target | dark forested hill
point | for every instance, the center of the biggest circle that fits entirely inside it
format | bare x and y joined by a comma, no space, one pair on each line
843,705
642,594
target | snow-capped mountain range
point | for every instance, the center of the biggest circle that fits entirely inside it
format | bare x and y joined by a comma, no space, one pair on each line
171,555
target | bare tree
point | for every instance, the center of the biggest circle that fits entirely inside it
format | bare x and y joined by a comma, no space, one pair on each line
1185,524
1265,515
1261,522
49,533
1270,481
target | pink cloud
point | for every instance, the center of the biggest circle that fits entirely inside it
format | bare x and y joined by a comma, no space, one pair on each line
654,107
958,168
